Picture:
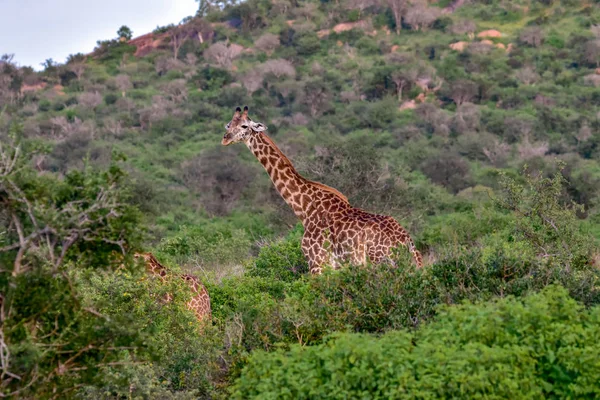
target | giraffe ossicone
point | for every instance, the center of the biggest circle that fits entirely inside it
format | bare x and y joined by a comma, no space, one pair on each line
334,231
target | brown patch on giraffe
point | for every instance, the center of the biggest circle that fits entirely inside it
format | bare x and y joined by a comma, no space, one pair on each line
200,301
292,186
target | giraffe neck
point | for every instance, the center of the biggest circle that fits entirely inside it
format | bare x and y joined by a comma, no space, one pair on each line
288,182
154,267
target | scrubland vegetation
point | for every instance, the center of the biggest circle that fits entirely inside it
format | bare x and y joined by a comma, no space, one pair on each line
485,147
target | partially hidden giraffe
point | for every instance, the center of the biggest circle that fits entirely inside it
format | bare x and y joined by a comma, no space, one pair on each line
334,231
200,301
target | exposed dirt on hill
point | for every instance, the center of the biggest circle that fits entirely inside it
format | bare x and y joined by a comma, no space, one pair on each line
347,26
33,88
490,33
148,42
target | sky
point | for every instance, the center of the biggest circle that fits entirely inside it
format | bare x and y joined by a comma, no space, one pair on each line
35,30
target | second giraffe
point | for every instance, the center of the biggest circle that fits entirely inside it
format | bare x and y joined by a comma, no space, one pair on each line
334,231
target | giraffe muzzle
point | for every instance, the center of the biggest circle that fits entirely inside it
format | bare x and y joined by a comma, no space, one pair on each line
226,140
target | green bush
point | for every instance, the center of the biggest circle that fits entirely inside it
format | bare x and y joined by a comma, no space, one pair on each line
544,221
281,260
367,46
380,298
308,44
543,346
111,98
208,247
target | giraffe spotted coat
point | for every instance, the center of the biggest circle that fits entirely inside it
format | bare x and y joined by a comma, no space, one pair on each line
334,231
200,301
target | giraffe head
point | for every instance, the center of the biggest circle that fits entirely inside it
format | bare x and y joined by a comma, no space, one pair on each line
152,264
241,127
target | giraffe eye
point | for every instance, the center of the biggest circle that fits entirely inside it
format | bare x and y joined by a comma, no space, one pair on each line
244,126
227,125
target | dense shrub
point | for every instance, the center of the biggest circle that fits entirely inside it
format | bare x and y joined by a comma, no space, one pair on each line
543,346
448,170
282,260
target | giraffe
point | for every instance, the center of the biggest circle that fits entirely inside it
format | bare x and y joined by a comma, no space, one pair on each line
200,301
334,231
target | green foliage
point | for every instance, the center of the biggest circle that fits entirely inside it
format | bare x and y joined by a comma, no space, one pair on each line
308,44
211,248
110,99
543,346
402,125
185,365
282,260
550,227
125,32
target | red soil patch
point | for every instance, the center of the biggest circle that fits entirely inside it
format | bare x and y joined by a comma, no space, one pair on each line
33,88
346,26
146,43
490,33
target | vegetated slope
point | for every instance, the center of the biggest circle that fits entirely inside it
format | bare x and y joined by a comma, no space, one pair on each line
426,115
441,101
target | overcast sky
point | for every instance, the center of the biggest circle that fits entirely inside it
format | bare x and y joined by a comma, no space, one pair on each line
35,30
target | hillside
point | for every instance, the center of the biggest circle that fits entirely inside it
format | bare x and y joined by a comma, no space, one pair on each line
476,124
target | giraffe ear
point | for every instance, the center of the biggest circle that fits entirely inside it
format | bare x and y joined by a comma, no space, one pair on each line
257,126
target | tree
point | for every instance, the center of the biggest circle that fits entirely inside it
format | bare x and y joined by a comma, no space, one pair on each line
124,33
267,43
223,55
315,96
437,120
592,52
90,100
48,223
532,36
78,69
402,78
253,80
420,17
48,64
544,221
462,27
463,90
178,35
204,7
123,83
11,80
201,29
219,178
207,6
448,170
527,75
50,70
176,90
307,11
354,168
279,68
360,5
398,8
